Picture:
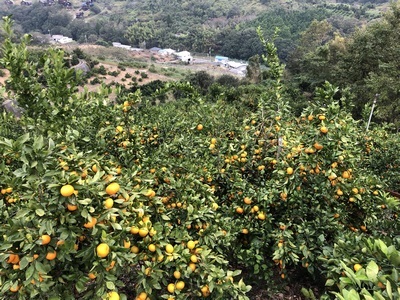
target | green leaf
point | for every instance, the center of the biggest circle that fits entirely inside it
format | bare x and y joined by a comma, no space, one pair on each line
40,267
85,201
22,213
38,143
110,285
165,217
40,212
389,289
330,282
352,295
22,139
29,272
395,258
372,271
116,226
24,262
378,296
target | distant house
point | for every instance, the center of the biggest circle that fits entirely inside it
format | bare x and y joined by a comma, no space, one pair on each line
9,2
79,15
166,51
61,39
155,49
119,45
184,56
26,3
221,59
238,68
46,2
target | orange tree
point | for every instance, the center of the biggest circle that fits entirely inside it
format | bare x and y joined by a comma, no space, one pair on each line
80,214
171,201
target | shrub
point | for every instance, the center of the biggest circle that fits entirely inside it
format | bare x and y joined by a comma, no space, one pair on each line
114,73
95,81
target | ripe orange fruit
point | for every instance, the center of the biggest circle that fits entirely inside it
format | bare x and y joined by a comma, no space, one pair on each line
112,264
199,127
283,196
310,117
45,239
134,230
112,188
191,245
14,289
180,285
152,248
289,171
205,291
346,174
323,129
192,266
102,250
150,193
247,200
67,190
381,285
127,244
13,259
171,288
318,146
72,207
91,223
113,296
357,267
261,216
108,203
51,255
245,231
177,274
239,210
142,296
92,276
135,249
169,248
143,232
193,258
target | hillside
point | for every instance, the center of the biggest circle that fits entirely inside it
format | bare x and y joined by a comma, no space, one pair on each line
215,27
